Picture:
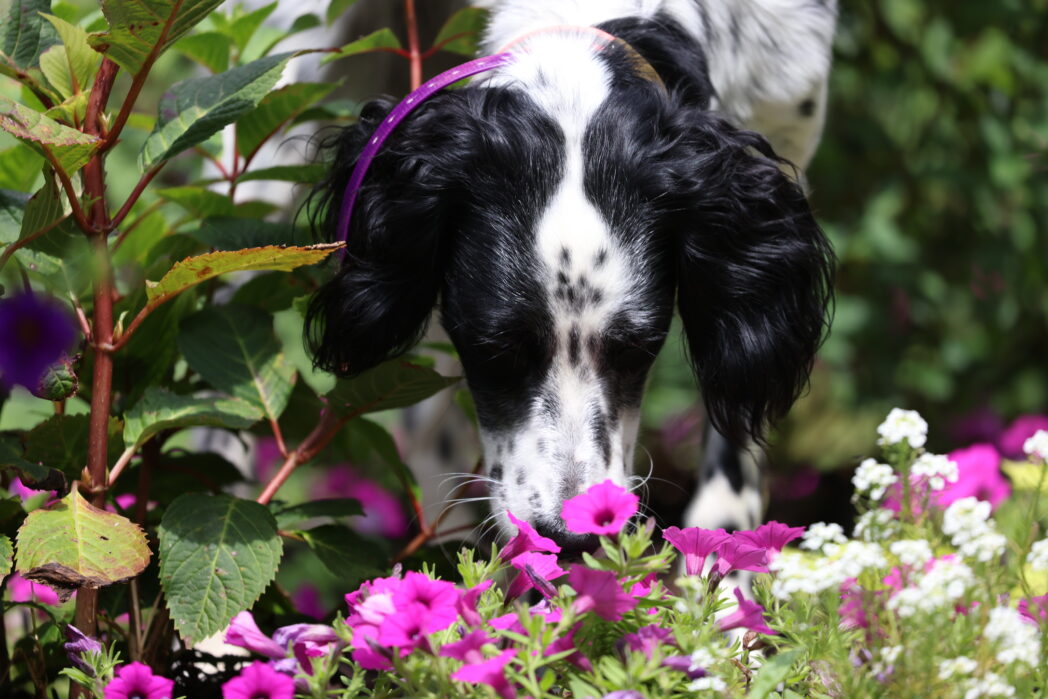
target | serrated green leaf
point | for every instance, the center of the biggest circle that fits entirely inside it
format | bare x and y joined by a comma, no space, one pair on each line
275,110
288,517
349,556
235,349
33,475
394,384
25,35
382,39
61,442
311,173
59,383
462,31
160,410
73,545
136,27
19,168
210,49
773,672
71,66
7,553
244,27
240,233
217,555
193,270
200,202
69,147
332,110
195,109
42,209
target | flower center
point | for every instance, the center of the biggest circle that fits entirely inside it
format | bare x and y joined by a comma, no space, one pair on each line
605,517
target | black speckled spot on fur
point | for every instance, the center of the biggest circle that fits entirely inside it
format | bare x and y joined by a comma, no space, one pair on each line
496,471
574,338
565,257
806,108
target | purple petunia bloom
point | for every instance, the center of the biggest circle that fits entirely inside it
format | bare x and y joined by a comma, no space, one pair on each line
683,663
1035,610
603,509
600,592
467,603
696,544
737,554
748,615
771,535
648,638
978,475
35,332
79,644
137,681
259,681
526,541
1022,428
244,632
534,568
491,672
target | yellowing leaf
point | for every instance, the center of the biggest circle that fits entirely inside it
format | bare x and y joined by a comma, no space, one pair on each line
69,147
1025,475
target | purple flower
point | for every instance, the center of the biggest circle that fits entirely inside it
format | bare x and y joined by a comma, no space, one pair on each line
534,568
603,509
978,475
771,535
491,672
696,544
383,513
685,664
648,638
23,590
1035,610
748,615
35,331
600,592
307,601
137,681
78,645
738,554
244,632
526,540
567,643
467,603
259,681
623,694
1011,442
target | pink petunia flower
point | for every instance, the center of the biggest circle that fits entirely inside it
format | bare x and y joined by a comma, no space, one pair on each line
542,565
738,554
307,601
978,475
1035,610
603,509
383,512
600,592
648,638
748,615
22,590
684,663
307,641
244,632
852,609
772,536
527,540
467,603
491,672
696,544
437,600
369,606
567,643
137,681
259,681
1022,428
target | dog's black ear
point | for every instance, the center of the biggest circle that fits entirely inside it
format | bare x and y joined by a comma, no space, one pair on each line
755,273
378,303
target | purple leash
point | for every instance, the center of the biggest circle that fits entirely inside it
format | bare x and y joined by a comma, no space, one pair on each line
397,115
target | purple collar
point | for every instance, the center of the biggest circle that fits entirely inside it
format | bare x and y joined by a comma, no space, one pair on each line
397,115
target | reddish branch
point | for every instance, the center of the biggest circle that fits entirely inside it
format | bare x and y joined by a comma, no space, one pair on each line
327,427
414,54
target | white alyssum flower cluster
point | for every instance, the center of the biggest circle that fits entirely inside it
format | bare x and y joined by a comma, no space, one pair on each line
960,666
708,684
989,685
872,479
936,469
876,525
967,522
1038,556
1016,640
798,573
903,426
1037,445
912,552
940,588
825,537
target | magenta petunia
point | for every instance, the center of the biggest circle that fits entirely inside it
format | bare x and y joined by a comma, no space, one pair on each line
436,599
567,643
603,509
1035,610
244,632
79,644
35,332
259,681
978,475
696,544
467,603
369,606
22,590
771,535
137,681
748,615
648,638
532,565
308,641
307,601
600,592
384,514
491,672
737,554
1022,428
469,648
683,663
527,540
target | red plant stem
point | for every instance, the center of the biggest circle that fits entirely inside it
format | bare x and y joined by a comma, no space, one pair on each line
432,50
135,194
426,531
414,54
327,427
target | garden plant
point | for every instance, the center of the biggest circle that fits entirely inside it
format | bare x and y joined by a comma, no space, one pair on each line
143,295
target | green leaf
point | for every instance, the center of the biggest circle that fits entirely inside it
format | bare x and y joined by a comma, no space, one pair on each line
394,384
244,27
25,35
69,147
382,39
240,233
193,270
19,168
160,410
59,383
235,349
334,507
70,67
42,209
462,30
349,556
7,553
311,173
138,27
336,8
210,49
217,555
275,110
362,431
332,110
195,109
198,201
1025,476
61,442
74,545
33,475
772,673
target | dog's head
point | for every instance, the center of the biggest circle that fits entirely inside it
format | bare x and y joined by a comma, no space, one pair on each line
555,232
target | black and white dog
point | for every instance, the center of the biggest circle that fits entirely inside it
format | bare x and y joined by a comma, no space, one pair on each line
558,207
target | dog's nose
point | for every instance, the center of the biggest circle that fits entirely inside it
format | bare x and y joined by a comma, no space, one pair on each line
572,545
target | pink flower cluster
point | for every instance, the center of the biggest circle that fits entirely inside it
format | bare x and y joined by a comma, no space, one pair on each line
290,650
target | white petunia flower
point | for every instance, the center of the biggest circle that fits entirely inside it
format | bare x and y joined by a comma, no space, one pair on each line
912,552
1038,556
1037,445
956,667
1015,640
872,479
936,469
823,537
903,425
